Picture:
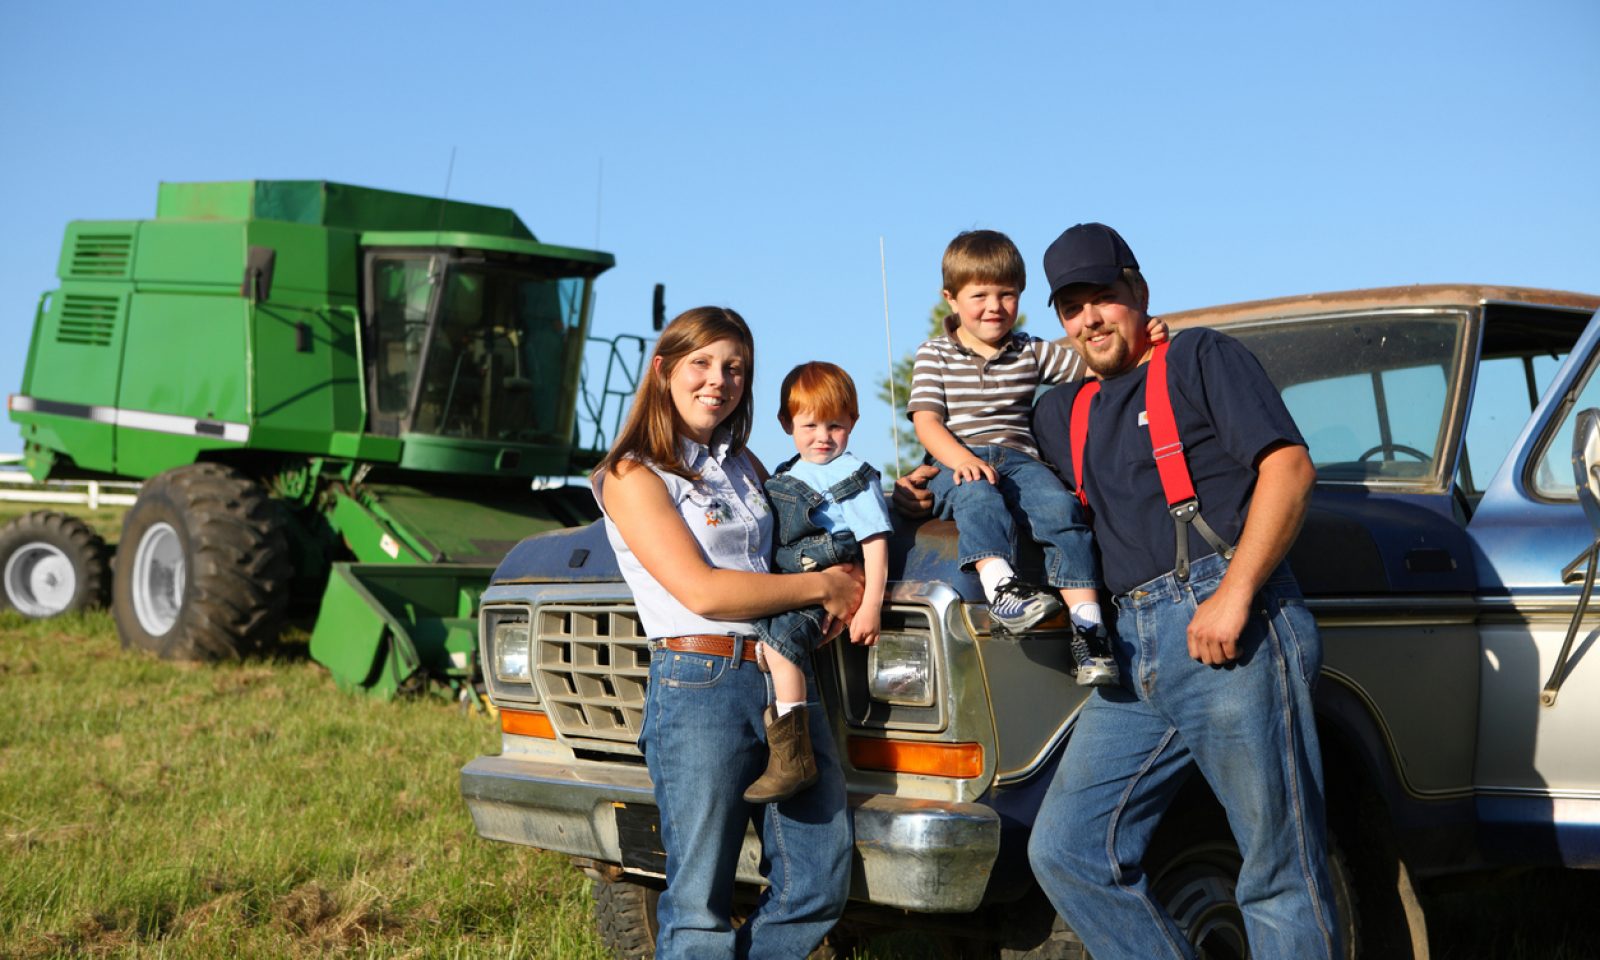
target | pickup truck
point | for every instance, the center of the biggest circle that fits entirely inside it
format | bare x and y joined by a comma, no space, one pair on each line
1440,555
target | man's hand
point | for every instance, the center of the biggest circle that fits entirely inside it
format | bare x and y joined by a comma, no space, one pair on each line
1157,329
911,497
1214,630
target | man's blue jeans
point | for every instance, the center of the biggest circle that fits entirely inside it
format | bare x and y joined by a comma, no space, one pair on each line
986,516
1249,730
703,742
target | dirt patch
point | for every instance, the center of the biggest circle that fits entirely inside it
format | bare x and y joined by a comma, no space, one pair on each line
325,921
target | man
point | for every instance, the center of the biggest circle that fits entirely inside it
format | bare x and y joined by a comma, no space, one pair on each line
1217,652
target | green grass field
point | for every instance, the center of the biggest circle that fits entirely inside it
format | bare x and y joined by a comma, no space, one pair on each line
173,810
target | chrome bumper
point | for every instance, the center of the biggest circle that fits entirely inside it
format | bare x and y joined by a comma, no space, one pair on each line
922,855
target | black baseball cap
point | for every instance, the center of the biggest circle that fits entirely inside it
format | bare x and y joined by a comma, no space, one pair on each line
1087,253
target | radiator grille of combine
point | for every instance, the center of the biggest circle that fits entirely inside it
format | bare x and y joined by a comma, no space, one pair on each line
592,664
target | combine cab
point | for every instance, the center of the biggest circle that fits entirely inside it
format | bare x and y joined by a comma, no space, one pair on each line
338,398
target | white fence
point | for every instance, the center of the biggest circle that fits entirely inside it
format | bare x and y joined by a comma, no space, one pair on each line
17,486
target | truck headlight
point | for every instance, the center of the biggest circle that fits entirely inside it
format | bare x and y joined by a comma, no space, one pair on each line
900,669
513,661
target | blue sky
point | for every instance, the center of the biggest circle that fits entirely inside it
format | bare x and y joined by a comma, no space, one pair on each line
752,156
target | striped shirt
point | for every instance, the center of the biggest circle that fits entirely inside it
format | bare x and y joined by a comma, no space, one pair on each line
988,400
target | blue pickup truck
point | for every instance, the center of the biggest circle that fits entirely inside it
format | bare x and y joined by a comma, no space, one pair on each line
1442,556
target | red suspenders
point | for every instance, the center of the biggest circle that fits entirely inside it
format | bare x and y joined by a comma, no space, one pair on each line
1167,449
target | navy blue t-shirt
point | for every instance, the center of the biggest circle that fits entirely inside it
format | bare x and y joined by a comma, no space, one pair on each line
1228,412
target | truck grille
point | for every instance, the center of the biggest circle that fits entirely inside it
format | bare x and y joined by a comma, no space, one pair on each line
591,664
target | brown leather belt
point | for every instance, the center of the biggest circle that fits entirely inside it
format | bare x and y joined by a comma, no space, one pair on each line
716,645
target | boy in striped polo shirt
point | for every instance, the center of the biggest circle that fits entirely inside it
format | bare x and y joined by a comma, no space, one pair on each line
971,400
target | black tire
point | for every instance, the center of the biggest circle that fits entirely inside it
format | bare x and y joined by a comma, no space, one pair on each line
203,567
625,916
1193,867
52,564
1034,931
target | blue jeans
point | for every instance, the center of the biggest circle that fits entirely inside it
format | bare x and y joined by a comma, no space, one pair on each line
986,522
702,740
1249,730
802,546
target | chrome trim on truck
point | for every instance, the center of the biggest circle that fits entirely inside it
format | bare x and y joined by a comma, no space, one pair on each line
924,855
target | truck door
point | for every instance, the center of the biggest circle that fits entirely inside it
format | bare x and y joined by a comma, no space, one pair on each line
1537,771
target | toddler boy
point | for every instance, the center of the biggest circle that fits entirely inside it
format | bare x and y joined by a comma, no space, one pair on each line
830,509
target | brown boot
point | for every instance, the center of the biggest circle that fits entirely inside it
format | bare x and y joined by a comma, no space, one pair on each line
791,767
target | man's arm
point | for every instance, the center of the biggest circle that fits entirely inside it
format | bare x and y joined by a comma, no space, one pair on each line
1284,478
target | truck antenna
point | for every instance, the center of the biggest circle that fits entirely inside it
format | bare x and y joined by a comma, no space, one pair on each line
888,342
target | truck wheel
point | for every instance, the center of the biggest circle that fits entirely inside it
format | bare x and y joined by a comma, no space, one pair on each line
625,915
1193,867
51,564
203,568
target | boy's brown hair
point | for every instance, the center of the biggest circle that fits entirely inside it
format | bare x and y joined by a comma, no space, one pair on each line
983,256
819,388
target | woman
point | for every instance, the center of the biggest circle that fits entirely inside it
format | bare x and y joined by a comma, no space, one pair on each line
692,531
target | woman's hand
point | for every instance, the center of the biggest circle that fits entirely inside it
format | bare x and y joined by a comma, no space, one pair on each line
911,497
841,590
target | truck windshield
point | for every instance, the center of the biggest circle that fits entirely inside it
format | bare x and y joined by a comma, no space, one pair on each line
1370,394
475,349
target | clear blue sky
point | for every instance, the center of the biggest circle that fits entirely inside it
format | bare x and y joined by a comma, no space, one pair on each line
752,156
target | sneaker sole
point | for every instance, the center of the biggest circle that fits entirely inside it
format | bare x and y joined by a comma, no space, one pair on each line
1028,621
1098,672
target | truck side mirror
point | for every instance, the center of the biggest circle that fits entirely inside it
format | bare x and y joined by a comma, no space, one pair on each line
257,284
1586,463
658,308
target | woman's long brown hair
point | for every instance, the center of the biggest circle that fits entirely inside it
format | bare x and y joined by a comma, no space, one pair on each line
651,431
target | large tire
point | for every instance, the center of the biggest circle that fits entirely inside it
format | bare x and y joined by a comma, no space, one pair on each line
625,916
203,567
52,564
1193,867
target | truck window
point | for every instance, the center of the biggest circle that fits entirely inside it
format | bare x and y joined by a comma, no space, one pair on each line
1370,393
1552,473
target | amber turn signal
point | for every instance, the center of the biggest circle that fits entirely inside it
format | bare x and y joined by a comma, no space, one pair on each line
961,760
526,723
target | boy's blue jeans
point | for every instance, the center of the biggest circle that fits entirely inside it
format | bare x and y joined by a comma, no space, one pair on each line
704,735
1247,727
986,516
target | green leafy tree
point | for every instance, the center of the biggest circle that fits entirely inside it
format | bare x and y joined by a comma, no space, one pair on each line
910,453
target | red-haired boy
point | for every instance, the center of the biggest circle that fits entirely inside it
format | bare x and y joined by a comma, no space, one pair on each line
830,509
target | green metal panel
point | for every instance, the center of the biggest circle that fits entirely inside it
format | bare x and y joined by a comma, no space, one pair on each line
98,250
586,263
306,381
315,260
202,257
370,537
322,203
453,455
478,526
381,625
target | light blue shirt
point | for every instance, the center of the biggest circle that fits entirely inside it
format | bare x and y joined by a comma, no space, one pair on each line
726,512
866,514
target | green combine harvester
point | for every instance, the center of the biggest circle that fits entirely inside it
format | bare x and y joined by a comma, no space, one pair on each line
340,400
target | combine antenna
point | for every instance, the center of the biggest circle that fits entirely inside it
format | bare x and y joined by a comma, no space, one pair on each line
599,183
449,172
888,342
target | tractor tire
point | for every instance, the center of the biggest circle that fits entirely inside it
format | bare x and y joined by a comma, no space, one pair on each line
52,564
203,568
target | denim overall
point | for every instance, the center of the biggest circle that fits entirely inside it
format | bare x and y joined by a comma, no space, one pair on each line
804,546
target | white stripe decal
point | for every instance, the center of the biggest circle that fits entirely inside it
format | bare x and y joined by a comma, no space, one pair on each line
155,422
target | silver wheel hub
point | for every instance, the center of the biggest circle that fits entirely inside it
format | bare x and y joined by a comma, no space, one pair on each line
39,580
159,573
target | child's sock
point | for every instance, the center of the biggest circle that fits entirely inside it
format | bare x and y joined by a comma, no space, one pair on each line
994,572
1087,614
784,706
